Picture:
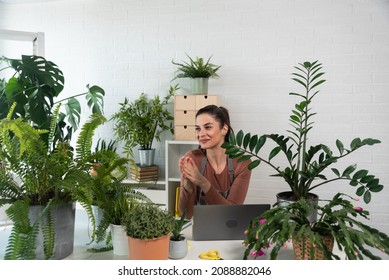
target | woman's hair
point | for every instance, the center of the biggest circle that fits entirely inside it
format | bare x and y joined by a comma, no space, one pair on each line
220,114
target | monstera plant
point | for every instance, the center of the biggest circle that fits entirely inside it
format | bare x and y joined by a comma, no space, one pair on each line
40,170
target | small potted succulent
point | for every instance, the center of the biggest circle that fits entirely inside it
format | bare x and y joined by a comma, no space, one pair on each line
199,71
178,247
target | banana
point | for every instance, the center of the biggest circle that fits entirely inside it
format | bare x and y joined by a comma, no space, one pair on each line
210,255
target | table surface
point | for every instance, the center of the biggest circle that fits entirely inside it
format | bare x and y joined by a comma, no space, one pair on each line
228,249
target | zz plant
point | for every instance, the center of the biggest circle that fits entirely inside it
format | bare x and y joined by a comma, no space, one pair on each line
304,164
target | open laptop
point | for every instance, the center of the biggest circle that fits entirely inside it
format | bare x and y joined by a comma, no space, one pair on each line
224,222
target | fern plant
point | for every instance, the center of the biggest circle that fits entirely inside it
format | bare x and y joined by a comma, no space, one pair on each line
35,174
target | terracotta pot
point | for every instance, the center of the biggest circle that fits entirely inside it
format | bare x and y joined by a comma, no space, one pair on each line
149,249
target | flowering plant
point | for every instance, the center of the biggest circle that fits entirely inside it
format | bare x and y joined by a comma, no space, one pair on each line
338,218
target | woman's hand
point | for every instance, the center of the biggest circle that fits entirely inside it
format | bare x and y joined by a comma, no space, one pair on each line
190,172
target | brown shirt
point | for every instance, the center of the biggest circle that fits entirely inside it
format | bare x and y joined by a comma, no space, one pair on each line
219,182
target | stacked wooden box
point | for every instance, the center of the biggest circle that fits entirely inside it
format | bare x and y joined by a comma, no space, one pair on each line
185,109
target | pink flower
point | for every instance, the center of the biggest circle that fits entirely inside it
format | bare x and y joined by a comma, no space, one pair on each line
245,232
262,221
257,253
358,208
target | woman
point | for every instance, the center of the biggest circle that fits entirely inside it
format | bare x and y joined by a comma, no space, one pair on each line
208,176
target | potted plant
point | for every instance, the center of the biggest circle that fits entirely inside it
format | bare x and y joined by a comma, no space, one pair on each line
305,165
108,170
141,121
339,222
39,171
178,247
112,198
42,185
199,71
148,229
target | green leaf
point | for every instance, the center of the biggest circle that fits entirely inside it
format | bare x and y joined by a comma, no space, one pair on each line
318,83
239,138
274,152
350,169
73,111
244,158
355,143
95,99
340,146
360,191
246,140
367,197
233,150
370,141
254,164
354,183
300,82
376,188
253,142
360,174
260,143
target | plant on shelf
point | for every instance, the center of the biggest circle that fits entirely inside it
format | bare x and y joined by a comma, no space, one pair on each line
196,68
305,165
199,71
141,121
149,225
33,175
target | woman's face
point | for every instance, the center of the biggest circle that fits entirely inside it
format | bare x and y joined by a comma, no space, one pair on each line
209,131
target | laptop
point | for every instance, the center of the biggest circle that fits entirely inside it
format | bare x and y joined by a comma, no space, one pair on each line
224,222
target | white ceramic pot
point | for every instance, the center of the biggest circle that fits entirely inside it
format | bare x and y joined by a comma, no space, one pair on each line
119,240
178,249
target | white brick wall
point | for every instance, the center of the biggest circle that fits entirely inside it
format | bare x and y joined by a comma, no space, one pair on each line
127,47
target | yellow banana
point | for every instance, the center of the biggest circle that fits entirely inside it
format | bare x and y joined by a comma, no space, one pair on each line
210,255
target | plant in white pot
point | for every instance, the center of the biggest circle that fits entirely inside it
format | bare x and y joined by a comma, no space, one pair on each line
198,70
305,165
139,122
178,247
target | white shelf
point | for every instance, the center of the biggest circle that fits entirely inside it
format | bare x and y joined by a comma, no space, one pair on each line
132,181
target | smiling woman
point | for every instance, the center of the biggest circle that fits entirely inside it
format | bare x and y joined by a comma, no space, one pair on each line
208,176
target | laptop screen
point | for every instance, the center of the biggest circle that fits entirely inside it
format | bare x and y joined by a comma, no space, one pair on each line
224,222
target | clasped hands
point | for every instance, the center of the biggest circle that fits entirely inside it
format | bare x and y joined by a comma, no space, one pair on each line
192,176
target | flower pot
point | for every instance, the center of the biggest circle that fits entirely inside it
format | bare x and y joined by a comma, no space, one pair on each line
178,248
149,249
146,157
199,85
119,240
63,216
98,214
302,248
285,198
